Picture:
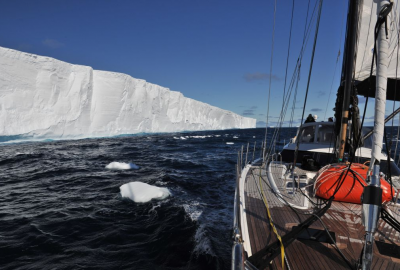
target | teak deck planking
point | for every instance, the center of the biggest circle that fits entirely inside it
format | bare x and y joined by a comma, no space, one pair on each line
344,219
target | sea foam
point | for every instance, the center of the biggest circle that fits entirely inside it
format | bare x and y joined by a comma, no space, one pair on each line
122,166
141,192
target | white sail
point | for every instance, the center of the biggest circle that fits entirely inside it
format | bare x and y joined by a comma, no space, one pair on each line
366,41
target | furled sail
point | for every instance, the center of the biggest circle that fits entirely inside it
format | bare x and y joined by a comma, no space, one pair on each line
365,51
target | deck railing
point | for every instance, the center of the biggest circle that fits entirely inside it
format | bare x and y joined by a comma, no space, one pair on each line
238,257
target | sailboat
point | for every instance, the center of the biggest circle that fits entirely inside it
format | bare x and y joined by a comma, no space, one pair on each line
329,200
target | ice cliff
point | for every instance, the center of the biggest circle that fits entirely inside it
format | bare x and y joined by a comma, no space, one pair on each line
45,97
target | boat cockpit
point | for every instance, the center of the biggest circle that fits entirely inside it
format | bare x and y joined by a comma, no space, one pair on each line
316,140
316,132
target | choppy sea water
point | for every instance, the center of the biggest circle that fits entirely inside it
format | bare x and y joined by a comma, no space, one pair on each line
60,208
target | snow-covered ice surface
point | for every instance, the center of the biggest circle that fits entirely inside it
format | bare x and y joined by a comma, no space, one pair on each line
141,192
47,98
122,166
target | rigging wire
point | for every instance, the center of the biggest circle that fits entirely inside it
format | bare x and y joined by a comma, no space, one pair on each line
309,75
337,60
333,79
270,75
287,60
295,78
299,67
395,89
288,53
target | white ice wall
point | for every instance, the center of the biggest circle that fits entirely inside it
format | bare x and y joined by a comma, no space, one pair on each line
42,96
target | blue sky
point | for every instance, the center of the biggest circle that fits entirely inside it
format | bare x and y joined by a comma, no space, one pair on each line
217,52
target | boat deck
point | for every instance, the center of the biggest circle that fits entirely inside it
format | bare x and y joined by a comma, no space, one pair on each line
343,219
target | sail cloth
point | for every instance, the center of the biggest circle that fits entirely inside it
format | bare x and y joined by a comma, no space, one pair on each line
365,50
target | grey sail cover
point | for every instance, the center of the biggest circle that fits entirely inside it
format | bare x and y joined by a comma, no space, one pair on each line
366,46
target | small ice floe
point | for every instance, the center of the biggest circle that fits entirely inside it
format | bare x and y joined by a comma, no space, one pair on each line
176,138
199,137
141,192
217,136
122,166
235,137
230,143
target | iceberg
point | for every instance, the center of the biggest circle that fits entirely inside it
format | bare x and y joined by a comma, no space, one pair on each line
47,98
141,192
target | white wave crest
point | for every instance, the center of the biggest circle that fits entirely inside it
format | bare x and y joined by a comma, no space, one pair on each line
192,209
203,243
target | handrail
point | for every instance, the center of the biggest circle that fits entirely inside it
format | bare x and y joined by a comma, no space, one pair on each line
237,249
254,150
247,152
238,254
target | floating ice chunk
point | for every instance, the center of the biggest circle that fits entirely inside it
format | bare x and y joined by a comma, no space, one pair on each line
235,137
122,166
141,192
230,143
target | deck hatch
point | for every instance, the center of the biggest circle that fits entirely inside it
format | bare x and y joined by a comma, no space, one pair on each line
387,249
316,235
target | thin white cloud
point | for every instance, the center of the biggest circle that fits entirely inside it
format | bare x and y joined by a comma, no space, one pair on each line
52,43
316,110
250,77
24,47
261,124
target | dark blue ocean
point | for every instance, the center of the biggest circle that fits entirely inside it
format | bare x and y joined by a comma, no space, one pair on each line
60,208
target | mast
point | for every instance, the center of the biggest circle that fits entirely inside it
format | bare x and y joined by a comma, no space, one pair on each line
348,69
372,196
